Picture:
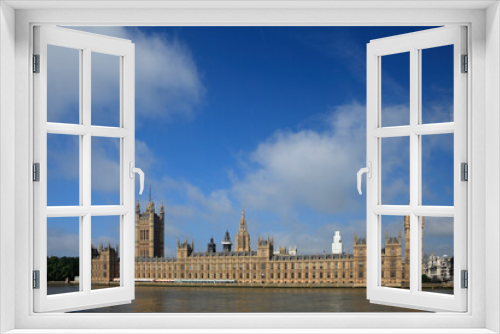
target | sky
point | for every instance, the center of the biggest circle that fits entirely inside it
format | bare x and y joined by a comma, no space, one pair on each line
269,119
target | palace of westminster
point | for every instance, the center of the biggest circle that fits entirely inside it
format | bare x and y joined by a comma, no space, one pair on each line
261,266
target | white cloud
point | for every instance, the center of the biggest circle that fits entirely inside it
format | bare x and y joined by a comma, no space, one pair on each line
314,239
62,243
215,201
306,168
211,205
144,156
62,157
168,84
289,175
62,84
438,227
286,176
395,115
105,164
438,111
64,160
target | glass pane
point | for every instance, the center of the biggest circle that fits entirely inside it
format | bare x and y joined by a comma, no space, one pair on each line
63,85
395,170
395,252
63,170
105,251
63,251
437,170
105,171
437,250
395,89
437,84
105,90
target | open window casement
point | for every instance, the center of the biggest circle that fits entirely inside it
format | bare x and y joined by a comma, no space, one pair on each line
415,295
82,132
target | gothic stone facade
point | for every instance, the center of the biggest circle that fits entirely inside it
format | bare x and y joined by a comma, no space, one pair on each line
257,267
149,231
149,242
105,264
262,266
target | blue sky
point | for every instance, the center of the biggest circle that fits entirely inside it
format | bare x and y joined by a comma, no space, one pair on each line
271,119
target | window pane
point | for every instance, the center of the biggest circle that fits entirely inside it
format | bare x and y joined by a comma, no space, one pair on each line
437,170
395,170
395,94
63,170
105,171
63,85
437,250
105,251
437,84
105,90
63,252
395,252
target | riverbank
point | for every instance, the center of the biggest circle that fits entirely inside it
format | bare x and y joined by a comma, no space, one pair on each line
426,286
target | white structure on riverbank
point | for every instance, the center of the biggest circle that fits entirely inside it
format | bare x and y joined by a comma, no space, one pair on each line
438,268
337,243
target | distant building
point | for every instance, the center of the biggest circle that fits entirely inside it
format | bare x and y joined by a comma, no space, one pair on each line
337,244
149,231
226,243
395,264
242,237
261,266
105,264
438,268
282,250
184,249
264,266
211,247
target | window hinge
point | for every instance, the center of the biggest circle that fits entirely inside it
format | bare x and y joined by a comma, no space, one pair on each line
464,170
36,63
36,172
465,279
465,64
36,279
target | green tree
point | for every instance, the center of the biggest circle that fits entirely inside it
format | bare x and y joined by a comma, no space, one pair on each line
425,279
60,268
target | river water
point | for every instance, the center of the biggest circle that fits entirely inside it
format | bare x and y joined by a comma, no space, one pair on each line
255,299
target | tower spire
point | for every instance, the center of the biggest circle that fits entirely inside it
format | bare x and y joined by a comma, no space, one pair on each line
149,192
243,223
243,237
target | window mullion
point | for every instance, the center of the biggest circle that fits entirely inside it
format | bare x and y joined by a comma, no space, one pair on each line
415,169
127,155
373,118
86,176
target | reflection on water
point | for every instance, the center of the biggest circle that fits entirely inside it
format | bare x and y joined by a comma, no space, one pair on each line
225,300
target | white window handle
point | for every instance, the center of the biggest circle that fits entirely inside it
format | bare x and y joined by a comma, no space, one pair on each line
139,171
368,171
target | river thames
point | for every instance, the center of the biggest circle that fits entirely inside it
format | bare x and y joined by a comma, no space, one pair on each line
229,300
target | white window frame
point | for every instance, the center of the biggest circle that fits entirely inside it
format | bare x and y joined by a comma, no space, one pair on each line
86,44
483,20
414,43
